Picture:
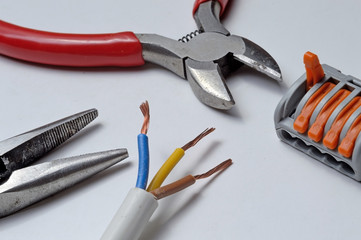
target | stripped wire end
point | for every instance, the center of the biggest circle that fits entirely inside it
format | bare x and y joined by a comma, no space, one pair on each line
198,138
172,161
143,149
144,107
220,167
187,181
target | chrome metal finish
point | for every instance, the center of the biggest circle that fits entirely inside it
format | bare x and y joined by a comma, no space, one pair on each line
164,52
205,59
257,58
207,18
31,184
22,150
208,84
22,185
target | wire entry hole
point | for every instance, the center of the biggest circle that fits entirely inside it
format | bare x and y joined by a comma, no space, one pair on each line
316,153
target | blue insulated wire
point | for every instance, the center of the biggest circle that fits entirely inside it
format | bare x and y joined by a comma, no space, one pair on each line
143,167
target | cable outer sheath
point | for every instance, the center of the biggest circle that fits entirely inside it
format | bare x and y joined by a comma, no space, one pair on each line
173,187
167,167
64,49
143,167
132,217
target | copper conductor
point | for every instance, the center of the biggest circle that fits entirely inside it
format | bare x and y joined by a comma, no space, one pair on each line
145,110
218,168
198,138
187,181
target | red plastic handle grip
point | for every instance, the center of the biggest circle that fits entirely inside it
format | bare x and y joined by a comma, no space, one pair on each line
78,50
199,2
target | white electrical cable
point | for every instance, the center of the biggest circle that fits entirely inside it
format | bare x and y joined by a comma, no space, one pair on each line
132,216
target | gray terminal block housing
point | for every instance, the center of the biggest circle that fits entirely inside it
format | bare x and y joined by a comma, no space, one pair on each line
293,102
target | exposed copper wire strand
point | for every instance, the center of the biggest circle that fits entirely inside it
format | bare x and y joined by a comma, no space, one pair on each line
172,161
144,107
219,167
187,181
198,138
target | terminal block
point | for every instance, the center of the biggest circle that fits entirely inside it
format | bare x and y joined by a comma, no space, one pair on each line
320,115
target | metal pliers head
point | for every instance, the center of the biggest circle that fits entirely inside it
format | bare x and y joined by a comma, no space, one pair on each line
206,56
23,184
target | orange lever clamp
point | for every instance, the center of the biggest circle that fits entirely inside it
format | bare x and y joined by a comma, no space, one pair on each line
314,70
320,115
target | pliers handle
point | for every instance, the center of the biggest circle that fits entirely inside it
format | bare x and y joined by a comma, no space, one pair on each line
121,49
76,50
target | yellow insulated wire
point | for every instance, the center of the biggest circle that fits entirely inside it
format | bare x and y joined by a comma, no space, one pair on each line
176,156
167,167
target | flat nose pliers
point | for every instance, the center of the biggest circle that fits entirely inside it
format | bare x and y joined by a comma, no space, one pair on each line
203,59
22,185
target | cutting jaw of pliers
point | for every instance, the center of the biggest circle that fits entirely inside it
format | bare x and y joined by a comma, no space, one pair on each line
22,184
205,60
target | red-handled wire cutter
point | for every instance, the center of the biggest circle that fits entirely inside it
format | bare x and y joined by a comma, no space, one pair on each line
203,59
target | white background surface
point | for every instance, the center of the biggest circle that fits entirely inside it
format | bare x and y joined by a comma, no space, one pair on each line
272,191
